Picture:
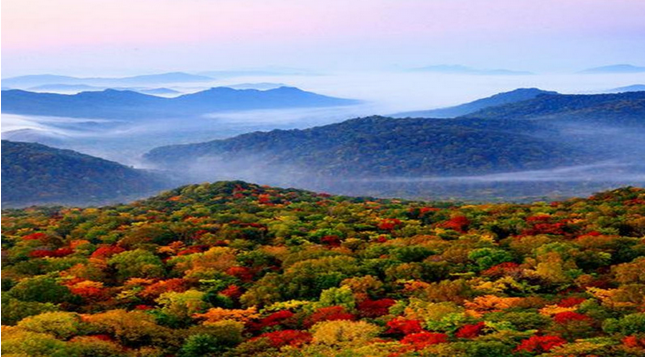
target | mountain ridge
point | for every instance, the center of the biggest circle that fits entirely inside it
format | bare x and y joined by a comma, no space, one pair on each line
512,96
615,68
22,82
38,174
111,103
555,131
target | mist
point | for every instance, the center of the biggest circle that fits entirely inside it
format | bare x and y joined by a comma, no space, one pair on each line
125,140
522,186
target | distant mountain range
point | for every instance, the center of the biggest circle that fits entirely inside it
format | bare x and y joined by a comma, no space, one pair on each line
23,82
255,72
259,86
75,88
56,87
577,140
38,174
631,88
114,104
617,68
516,95
158,91
459,69
545,132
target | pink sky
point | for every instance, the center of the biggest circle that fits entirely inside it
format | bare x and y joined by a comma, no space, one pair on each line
126,35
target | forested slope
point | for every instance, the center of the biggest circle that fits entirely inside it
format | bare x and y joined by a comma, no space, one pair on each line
236,269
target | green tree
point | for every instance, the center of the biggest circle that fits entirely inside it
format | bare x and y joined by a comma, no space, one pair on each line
137,263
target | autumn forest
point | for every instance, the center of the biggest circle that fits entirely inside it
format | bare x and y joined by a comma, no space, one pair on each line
236,269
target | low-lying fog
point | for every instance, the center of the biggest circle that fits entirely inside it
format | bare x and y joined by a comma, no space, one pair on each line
384,93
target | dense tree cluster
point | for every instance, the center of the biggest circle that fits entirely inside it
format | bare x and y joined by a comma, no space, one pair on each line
235,269
38,174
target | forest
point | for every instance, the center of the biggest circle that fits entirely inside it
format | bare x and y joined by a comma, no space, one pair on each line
237,269
37,174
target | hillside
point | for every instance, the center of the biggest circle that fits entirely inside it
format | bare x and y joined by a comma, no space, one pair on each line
505,138
619,109
550,146
116,104
513,96
38,174
379,146
235,269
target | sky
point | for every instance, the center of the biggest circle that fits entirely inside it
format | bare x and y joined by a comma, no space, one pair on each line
126,37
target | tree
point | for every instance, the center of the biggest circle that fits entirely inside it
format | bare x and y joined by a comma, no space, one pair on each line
486,258
540,344
337,297
401,326
131,328
137,263
217,314
182,306
470,330
19,342
41,288
201,345
342,332
14,310
330,313
90,346
281,338
421,340
62,325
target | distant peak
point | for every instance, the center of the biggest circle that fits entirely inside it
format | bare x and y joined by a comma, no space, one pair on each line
287,89
216,90
615,68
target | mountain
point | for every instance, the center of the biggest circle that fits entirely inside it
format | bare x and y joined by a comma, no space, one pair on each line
158,91
76,88
109,103
65,88
36,135
38,174
516,95
259,72
458,69
562,143
617,68
29,81
259,86
621,108
117,104
376,147
631,88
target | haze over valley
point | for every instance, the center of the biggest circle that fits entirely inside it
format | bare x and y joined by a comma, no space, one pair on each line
497,100
525,144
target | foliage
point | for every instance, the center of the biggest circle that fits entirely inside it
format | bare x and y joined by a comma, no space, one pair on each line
235,269
34,173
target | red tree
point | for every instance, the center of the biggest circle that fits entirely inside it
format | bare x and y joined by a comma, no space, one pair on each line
400,326
375,308
331,313
287,337
540,344
470,331
568,316
424,339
